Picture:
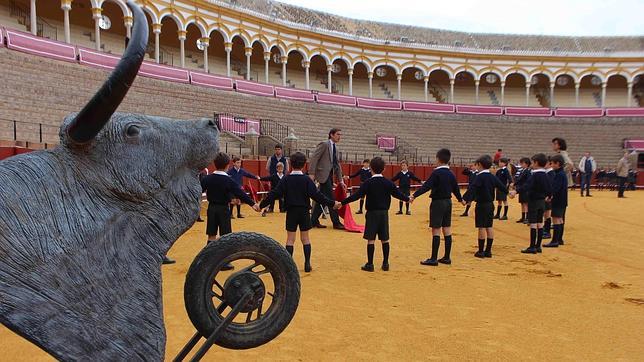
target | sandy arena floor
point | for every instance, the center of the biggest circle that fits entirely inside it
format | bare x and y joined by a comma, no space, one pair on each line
583,301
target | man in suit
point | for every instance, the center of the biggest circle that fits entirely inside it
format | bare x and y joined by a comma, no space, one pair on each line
324,164
622,174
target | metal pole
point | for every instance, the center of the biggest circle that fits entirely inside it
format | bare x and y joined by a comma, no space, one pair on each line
40,131
15,132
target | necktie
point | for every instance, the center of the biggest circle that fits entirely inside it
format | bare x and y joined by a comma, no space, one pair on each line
335,157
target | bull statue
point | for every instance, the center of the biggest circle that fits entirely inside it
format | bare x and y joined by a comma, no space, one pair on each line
84,227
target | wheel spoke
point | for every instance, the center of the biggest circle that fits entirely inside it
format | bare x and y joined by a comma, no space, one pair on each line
222,307
259,311
250,267
249,316
216,283
262,271
213,294
271,294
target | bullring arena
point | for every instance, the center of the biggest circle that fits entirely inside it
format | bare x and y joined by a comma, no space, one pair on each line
272,73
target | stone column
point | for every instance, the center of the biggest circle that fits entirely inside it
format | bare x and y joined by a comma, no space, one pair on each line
251,140
284,60
502,93
350,71
128,20
205,42
426,88
228,47
97,14
629,95
603,101
66,5
370,77
399,80
577,85
451,90
33,18
552,94
290,142
476,91
248,52
267,59
156,29
307,66
527,94
329,79
182,47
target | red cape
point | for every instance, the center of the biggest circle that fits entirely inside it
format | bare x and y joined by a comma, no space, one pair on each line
345,213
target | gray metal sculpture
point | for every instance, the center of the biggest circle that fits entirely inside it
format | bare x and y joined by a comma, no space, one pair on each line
84,227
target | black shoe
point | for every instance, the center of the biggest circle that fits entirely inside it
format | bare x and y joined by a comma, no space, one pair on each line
526,222
338,227
561,242
479,254
167,260
367,267
199,219
589,195
552,244
529,251
582,195
232,216
487,254
464,214
240,216
319,226
520,221
444,260
399,213
503,218
264,213
385,267
359,212
546,236
408,213
227,266
497,216
308,268
538,249
430,262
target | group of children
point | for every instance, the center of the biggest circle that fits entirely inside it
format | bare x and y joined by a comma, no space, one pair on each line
542,194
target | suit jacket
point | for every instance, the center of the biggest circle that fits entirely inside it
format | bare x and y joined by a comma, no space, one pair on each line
321,162
622,167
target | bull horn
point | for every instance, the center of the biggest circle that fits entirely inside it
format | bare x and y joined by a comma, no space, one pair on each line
97,112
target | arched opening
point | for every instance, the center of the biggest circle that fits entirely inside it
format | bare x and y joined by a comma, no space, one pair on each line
564,92
540,89
275,66
193,55
616,91
439,87
360,80
318,74
464,89
257,71
238,58
490,89
169,42
638,90
295,74
515,94
590,90
340,76
385,84
413,84
82,24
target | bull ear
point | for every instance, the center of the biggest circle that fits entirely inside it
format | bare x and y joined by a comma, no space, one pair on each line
91,119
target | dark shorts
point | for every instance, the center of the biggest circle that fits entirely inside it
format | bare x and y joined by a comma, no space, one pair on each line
484,214
218,220
523,198
298,217
535,211
558,212
440,213
548,206
501,196
405,191
377,224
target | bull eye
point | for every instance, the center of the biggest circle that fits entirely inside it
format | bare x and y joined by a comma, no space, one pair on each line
133,131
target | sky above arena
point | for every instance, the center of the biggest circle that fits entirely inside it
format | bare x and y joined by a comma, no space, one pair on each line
544,17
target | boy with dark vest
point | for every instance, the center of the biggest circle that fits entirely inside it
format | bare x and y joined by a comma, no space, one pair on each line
365,174
519,185
378,191
538,189
559,200
404,178
547,223
471,173
297,189
502,197
236,172
482,191
442,184
219,187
